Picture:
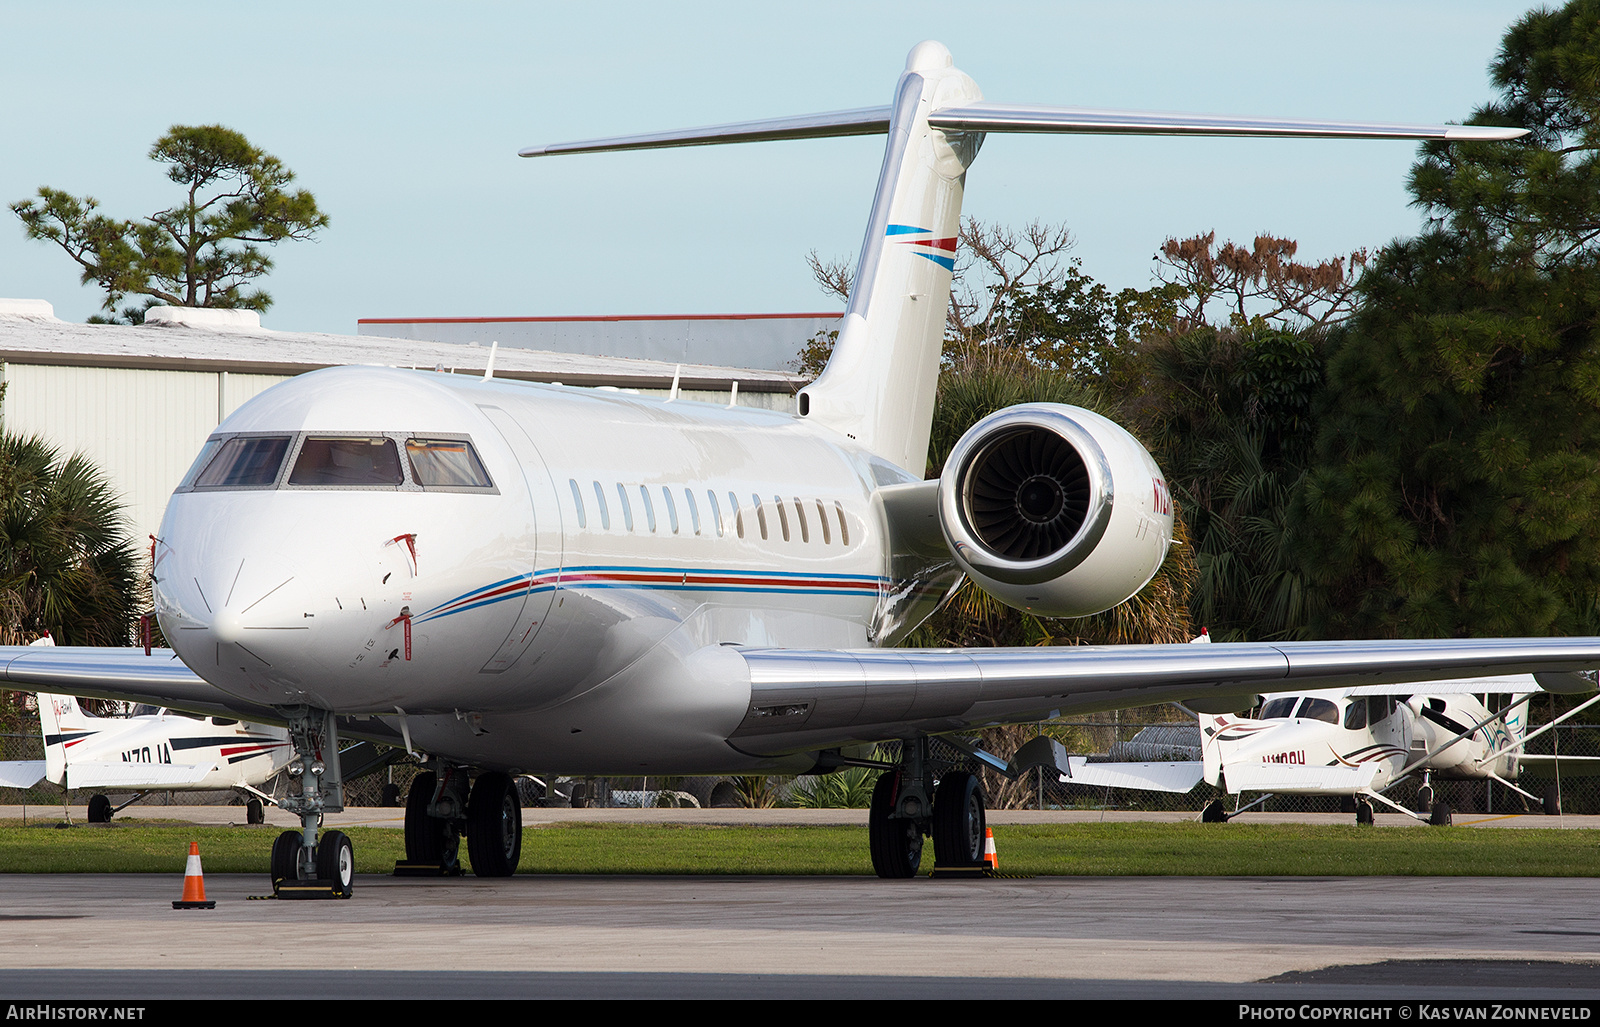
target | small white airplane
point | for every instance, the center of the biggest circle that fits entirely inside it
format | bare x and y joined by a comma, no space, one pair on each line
1357,742
152,750
507,577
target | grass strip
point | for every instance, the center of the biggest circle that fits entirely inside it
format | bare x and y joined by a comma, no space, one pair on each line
1141,849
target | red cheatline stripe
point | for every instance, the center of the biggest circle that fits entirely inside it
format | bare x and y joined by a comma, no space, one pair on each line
671,578
259,747
938,244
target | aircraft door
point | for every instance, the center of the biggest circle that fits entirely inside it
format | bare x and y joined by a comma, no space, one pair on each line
535,604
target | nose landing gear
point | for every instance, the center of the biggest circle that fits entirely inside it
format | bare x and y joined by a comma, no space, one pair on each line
302,866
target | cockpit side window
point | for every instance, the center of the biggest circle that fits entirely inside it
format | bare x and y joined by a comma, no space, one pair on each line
446,463
1355,715
343,461
245,461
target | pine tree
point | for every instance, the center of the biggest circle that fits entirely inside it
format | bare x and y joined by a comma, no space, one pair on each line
1455,488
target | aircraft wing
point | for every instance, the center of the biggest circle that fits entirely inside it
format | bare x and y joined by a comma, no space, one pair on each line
818,699
1566,766
1150,777
117,774
21,773
1290,779
808,699
1507,684
114,673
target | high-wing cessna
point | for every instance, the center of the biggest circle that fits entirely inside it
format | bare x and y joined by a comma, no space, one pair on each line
507,577
1356,742
152,750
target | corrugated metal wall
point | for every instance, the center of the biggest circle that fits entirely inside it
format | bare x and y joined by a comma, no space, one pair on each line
141,427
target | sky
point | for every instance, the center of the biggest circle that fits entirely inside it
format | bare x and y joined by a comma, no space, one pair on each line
404,120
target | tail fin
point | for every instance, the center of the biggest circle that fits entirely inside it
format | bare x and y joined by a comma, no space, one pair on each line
878,388
62,723
1210,748
1516,721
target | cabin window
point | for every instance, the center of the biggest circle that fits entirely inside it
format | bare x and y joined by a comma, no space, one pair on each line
649,507
716,512
245,462
844,527
694,510
577,501
446,463
783,516
761,515
600,501
822,519
1355,715
738,514
627,510
672,509
800,515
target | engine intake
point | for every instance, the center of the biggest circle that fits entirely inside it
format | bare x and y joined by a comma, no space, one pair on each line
1029,507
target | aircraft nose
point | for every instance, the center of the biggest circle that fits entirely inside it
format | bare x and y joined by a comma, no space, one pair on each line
275,607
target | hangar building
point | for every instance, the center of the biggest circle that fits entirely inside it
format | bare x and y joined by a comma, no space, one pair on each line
140,400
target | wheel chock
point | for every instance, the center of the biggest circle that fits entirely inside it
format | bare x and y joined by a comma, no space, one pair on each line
975,871
405,868
194,884
312,889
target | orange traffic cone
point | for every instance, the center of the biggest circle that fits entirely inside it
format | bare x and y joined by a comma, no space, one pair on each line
194,884
991,859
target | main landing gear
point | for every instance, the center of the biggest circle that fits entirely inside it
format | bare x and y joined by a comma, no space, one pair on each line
440,810
304,866
906,806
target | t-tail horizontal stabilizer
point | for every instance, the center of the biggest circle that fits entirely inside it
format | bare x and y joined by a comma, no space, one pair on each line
878,387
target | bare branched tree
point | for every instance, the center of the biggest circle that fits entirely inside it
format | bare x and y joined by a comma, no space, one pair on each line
1264,281
834,277
994,265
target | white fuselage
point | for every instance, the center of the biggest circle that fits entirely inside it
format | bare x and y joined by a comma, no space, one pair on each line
501,619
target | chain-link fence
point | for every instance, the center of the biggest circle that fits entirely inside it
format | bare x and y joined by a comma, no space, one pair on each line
1107,737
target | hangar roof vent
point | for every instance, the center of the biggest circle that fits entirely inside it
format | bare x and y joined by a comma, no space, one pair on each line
27,308
203,317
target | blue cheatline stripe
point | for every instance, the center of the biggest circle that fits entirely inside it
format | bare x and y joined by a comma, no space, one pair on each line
908,230
948,263
783,582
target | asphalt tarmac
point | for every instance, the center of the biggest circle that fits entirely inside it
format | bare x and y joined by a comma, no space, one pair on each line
116,937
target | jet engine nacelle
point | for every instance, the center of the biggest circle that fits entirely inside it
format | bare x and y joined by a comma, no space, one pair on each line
1055,510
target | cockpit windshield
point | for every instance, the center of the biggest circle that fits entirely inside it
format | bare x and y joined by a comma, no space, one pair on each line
1279,709
339,462
345,460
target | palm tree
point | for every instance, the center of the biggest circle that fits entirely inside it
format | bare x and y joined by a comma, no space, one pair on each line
67,564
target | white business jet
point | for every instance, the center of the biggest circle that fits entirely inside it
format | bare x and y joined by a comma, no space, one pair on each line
1358,743
152,750
505,577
